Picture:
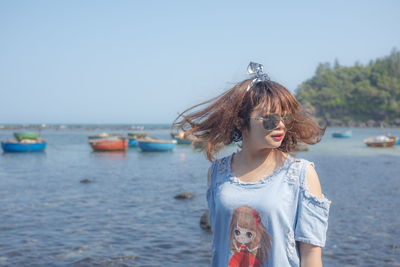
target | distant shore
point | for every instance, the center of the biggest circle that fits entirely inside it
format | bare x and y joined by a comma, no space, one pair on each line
361,124
135,127
38,127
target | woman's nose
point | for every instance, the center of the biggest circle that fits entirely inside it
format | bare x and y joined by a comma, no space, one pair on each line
281,124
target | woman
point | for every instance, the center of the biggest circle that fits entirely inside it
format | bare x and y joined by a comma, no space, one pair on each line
263,182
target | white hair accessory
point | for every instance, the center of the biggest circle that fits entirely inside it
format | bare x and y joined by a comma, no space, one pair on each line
257,71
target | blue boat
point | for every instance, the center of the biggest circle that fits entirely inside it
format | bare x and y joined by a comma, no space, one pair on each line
179,138
398,141
133,143
156,145
345,134
23,147
184,141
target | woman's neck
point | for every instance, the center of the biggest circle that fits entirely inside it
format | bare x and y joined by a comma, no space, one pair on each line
250,165
251,157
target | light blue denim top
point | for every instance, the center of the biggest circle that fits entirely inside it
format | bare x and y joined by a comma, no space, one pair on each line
255,224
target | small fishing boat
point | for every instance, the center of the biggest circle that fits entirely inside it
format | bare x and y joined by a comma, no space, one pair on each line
156,145
137,135
14,146
120,144
110,136
381,141
345,134
398,141
133,138
30,136
179,137
133,143
184,141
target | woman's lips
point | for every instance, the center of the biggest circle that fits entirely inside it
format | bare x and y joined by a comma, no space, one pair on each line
277,137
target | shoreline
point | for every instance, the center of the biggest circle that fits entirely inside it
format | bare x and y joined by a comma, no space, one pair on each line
85,127
359,124
160,126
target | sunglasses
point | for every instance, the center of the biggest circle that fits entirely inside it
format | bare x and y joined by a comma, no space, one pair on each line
271,121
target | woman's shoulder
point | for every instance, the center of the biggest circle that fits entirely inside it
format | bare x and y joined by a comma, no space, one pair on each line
222,161
224,158
220,166
297,167
308,177
299,160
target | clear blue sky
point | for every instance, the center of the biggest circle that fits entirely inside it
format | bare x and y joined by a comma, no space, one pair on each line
144,61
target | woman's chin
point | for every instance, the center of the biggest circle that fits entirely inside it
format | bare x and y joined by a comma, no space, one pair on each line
271,144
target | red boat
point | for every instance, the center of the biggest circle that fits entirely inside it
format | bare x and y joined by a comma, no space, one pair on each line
109,144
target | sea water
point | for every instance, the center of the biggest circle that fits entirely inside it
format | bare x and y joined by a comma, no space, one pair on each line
126,214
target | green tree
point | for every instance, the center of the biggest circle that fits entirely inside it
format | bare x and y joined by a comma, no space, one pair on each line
357,93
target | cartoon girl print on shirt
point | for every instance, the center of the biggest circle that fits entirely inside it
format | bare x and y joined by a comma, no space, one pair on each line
249,241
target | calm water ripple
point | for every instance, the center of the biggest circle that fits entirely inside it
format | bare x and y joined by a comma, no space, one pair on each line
127,215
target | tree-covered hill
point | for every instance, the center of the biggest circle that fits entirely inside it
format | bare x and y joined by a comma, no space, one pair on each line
355,96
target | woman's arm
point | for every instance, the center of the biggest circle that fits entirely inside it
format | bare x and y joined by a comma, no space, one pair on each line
310,255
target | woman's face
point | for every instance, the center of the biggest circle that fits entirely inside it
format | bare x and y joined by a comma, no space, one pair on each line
261,138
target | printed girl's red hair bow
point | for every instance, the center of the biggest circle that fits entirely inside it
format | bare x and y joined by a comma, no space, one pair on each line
256,217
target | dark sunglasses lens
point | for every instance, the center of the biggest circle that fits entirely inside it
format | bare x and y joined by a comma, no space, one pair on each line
271,121
288,120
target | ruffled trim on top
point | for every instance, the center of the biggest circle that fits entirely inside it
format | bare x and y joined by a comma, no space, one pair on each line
226,168
322,202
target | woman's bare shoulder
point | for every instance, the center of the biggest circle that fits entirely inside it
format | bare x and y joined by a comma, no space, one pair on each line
312,180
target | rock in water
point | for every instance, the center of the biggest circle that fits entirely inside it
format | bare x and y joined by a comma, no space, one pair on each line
85,181
184,195
205,221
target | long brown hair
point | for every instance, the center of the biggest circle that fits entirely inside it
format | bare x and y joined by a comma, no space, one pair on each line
230,111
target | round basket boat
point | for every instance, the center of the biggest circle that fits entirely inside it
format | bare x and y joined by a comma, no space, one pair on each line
179,138
346,134
109,136
30,136
137,135
156,145
23,147
104,145
381,141
133,143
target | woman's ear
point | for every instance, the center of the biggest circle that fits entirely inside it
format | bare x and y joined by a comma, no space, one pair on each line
244,132
240,124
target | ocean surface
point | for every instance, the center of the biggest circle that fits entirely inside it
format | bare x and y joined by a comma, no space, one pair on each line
127,214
